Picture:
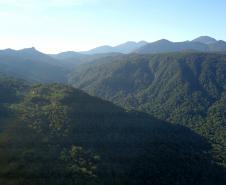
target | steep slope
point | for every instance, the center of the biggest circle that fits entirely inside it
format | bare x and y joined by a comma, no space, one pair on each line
219,46
63,136
180,88
31,65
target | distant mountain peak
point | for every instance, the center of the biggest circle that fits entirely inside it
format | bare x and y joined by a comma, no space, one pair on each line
129,42
24,50
8,50
205,40
163,40
29,49
142,42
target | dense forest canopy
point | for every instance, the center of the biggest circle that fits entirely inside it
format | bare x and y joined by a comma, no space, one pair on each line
56,134
167,127
182,88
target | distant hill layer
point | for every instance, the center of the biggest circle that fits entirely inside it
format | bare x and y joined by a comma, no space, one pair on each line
34,66
201,44
31,65
125,48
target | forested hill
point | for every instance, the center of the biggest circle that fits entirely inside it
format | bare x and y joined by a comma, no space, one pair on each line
11,91
183,88
58,135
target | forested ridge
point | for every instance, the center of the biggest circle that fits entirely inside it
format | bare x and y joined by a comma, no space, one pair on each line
113,92
167,127
183,88
55,134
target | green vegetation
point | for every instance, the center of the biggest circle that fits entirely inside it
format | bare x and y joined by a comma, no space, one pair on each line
11,91
58,135
182,88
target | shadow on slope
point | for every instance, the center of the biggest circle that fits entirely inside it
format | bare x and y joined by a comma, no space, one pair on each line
134,148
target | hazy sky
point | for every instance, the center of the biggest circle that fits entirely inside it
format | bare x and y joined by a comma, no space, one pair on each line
58,25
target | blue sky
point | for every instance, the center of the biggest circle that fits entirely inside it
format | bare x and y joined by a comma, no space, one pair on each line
59,25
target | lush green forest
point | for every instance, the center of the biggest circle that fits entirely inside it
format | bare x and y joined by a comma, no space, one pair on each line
55,134
182,88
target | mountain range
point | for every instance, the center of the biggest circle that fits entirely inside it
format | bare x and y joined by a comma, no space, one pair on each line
153,114
125,48
203,44
50,65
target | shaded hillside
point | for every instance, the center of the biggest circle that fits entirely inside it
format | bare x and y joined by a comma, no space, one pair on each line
31,65
70,60
11,91
63,136
180,88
